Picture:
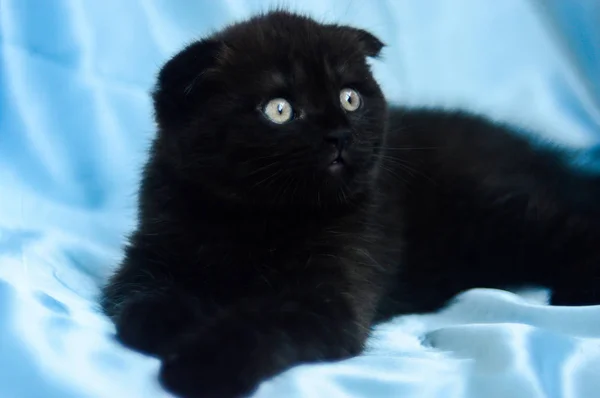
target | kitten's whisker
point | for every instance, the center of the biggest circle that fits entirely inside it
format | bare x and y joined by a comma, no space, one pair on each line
394,174
262,168
283,191
408,148
406,166
296,185
344,192
250,160
269,178
276,176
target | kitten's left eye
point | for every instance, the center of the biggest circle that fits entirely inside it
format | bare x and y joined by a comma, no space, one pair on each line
279,111
349,99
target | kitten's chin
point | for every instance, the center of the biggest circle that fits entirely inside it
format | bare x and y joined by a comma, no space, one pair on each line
336,169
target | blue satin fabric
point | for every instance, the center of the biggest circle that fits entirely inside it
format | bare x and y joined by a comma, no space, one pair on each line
75,120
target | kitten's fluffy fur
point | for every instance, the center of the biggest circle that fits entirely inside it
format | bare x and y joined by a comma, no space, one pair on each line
252,255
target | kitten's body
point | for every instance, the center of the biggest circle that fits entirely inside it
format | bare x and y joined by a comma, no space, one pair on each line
254,254
486,207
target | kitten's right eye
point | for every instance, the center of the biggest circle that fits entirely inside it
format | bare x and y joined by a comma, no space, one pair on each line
278,110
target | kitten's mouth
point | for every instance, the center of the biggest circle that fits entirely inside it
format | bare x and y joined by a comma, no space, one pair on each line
337,164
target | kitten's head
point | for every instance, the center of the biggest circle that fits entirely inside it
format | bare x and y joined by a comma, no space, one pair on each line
276,110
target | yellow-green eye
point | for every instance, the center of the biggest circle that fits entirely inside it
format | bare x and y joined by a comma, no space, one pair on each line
349,99
279,111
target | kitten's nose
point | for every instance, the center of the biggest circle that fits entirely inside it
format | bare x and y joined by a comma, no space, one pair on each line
339,138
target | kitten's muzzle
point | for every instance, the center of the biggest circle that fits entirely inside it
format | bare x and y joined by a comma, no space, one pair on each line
339,140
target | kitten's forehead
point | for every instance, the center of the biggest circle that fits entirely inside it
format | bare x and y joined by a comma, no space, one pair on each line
282,37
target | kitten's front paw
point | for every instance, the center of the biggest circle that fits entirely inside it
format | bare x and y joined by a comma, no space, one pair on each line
207,369
147,324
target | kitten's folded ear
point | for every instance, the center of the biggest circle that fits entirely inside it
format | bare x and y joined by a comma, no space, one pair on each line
176,93
370,45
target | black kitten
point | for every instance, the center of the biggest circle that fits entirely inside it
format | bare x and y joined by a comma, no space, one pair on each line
280,216
252,253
